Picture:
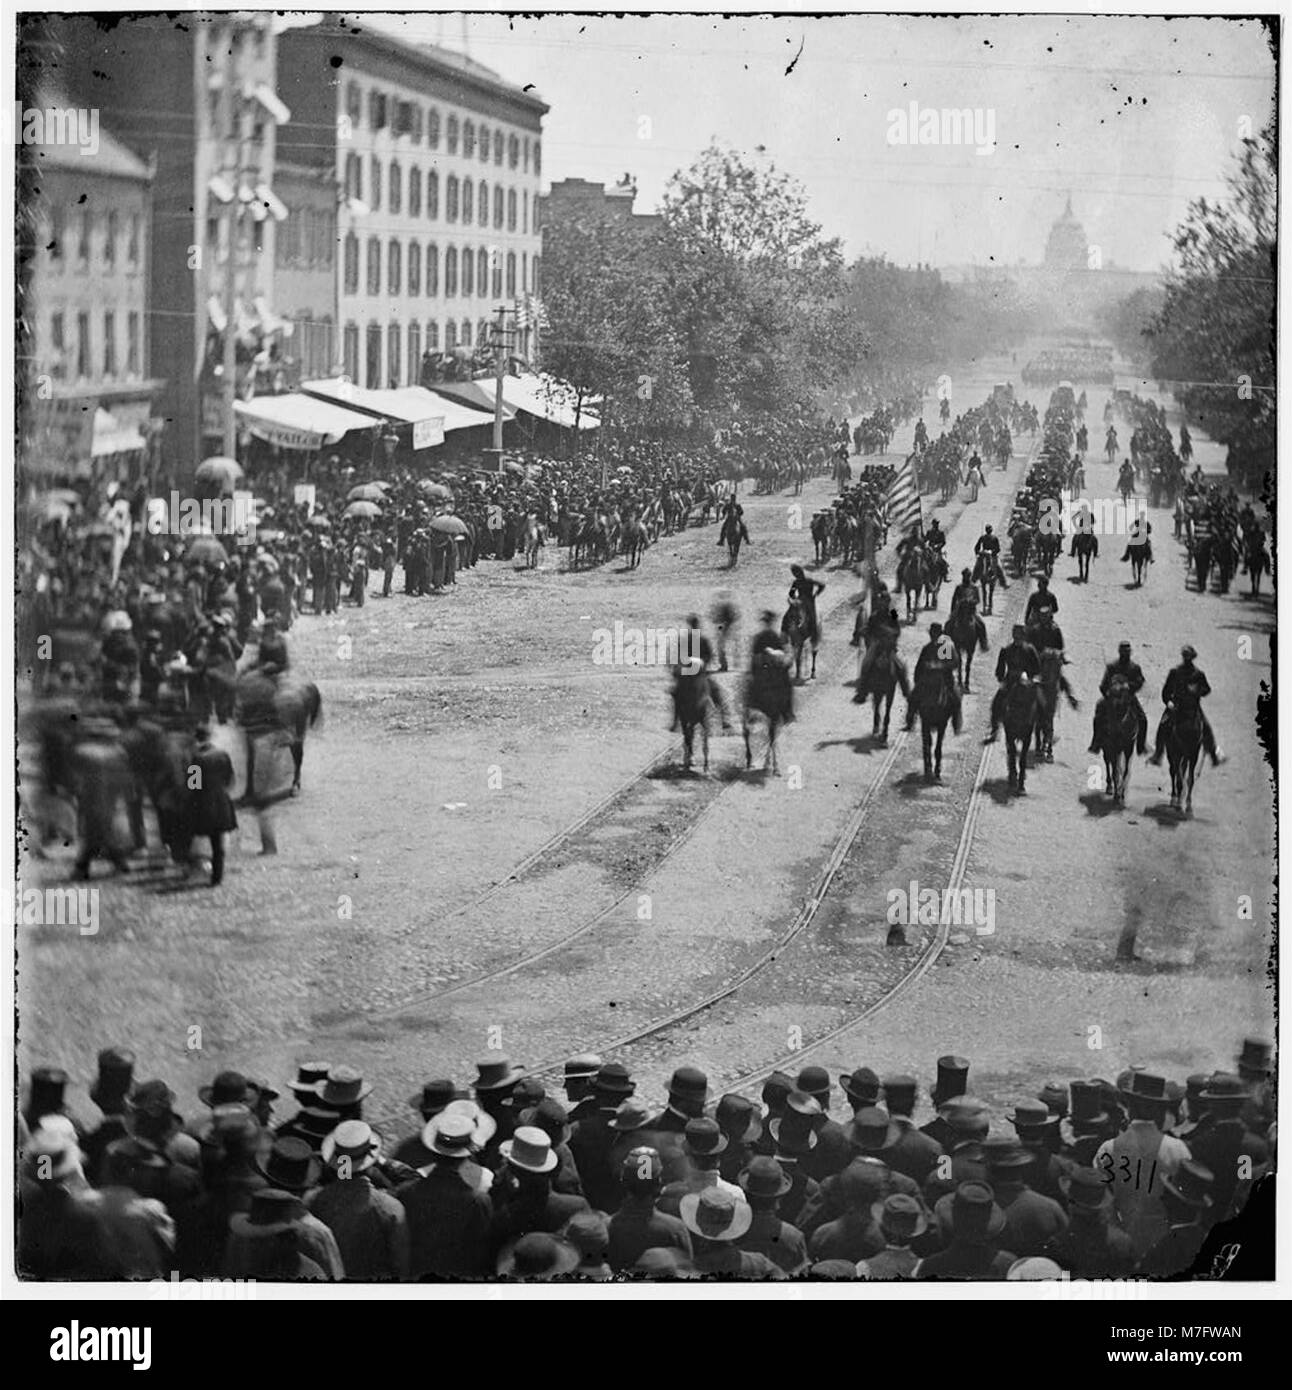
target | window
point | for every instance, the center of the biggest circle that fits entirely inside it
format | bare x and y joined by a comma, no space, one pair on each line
372,370
354,105
524,272
433,128
497,205
432,270
432,195
394,266
321,243
132,343
393,340
469,140
538,159
497,275
109,344
350,350
414,192
524,203
132,240
511,209
511,275
485,141
465,333
377,112
432,335
414,267
287,244
419,117
414,354
110,239
83,344
376,183
57,336
57,231
403,118
468,201
451,199
396,186
353,176
83,240
513,152
535,281
482,271
483,196
351,263
484,334
468,273
497,147
374,265
450,336
450,272
451,138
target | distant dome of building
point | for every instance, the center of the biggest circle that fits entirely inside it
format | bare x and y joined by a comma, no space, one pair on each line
1066,247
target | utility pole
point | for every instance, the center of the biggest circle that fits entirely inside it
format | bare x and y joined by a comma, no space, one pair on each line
233,115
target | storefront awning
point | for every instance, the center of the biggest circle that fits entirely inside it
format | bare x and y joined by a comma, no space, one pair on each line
298,422
549,399
113,436
430,414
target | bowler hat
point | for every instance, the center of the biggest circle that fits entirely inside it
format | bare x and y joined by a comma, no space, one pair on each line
1225,1089
704,1137
631,1114
739,1119
1191,1183
228,1088
529,1150
641,1168
115,1078
344,1086
953,1079
872,1129
715,1214
900,1216
764,1177
862,1087
689,1083
613,1079
975,1217
433,1097
816,1082
496,1073
966,1115
1257,1057
290,1165
272,1213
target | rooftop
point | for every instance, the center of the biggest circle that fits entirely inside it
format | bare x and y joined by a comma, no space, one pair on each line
103,154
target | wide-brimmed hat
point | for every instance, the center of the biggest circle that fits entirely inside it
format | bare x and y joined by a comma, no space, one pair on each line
1256,1057
352,1147
529,1150
450,1136
1191,1183
115,1077
1088,1109
483,1124
1007,1157
704,1137
1145,1086
434,1096
272,1213
953,1079
614,1079
1225,1089
496,1073
631,1114
344,1086
689,1083
900,1216
965,1114
975,1217
228,1088
582,1067
715,1214
1033,1117
290,1165
764,1177
739,1119
872,1129
862,1087
1086,1188
154,1100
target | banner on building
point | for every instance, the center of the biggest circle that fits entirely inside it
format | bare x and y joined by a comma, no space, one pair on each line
62,436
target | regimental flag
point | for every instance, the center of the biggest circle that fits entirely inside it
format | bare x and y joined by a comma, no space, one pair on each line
903,501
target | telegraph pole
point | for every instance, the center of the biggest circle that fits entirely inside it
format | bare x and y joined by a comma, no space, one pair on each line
500,371
234,115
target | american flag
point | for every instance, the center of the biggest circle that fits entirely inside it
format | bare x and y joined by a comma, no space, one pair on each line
903,501
530,312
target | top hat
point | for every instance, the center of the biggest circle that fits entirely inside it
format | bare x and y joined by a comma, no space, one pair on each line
1086,1189
900,1216
272,1213
1055,1098
704,1138
344,1086
641,1168
689,1083
1033,1117
538,1255
352,1143
764,1177
1257,1057
1088,1110
715,1214
450,1136
116,1076
1224,1090
631,1114
583,1067
229,1088
738,1119
613,1079
872,1130
815,1081
953,1079
45,1092
862,1087
1145,1086
496,1073
529,1150
975,1217
433,1097
899,1093
1191,1183
291,1165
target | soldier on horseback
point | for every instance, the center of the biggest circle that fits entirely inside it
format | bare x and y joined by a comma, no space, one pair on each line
1186,682
1123,669
1039,602
965,592
695,661
936,542
882,631
1045,634
1016,660
936,662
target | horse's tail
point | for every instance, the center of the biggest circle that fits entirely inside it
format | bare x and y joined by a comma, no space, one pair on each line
313,704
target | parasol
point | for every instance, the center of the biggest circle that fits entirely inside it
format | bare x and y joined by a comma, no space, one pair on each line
319,522
450,525
366,492
429,488
511,467
206,550
366,510
219,470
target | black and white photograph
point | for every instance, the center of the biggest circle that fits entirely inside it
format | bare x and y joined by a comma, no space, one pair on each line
644,662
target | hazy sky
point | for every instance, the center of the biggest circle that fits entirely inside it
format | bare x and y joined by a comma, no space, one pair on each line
1133,116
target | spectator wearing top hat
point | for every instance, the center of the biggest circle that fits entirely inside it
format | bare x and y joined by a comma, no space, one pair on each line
913,1152
1040,1133
594,1138
901,1220
794,1134
688,1093
1186,1195
1194,1111
110,1091
966,1122
639,1225
775,1094
853,1234
46,1095
718,1222
953,1081
369,1225
448,1214
833,1151
579,1081
1139,1203
210,813
1255,1064
589,1233
553,1119
764,1182
703,1144
1094,1246
495,1081
974,1250
1227,1146
429,1102
522,1193
1031,1220
306,1123
292,1166
265,1241
739,1122
1091,1122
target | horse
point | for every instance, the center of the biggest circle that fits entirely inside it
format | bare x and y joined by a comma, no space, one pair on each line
935,704
1021,708
535,539
284,709
968,631
1118,729
1051,684
635,540
1020,549
1085,546
733,535
1225,558
1201,562
1048,545
1183,747
1257,561
882,686
1139,558
914,578
768,692
796,628
986,574
694,707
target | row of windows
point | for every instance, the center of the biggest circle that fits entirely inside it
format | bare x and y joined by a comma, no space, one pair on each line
402,117
486,271
306,239
456,334
64,357
463,198
76,233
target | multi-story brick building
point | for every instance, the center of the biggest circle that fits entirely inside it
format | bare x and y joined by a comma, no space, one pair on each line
436,165
582,197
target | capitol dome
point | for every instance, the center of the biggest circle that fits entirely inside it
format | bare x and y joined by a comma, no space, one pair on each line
1066,248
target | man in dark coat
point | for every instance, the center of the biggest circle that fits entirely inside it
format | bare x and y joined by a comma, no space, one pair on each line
688,1091
524,1199
639,1225
1186,1195
448,1216
593,1137
1226,1146
212,812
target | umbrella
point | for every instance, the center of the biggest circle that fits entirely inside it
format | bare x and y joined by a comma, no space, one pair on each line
219,470
450,525
361,509
377,482
510,467
434,489
319,521
366,492
624,469
206,550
